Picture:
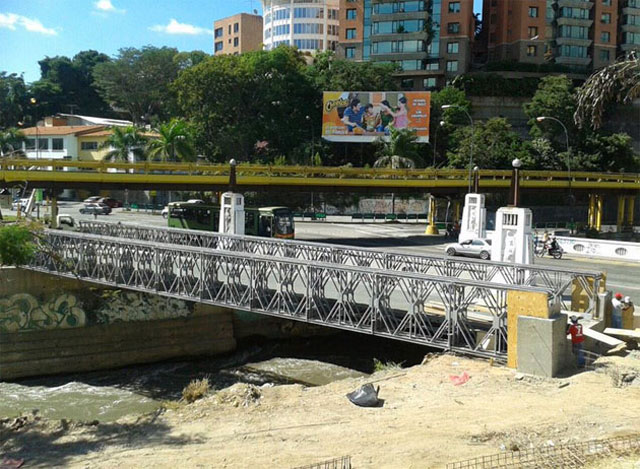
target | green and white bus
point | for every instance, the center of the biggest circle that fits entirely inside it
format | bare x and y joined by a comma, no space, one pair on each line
270,222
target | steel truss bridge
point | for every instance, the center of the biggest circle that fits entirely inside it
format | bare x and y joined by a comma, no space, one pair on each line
194,176
385,303
559,281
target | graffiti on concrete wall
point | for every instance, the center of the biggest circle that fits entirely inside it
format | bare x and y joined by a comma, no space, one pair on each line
123,306
23,312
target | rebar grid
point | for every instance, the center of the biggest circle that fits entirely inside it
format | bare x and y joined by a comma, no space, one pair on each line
343,462
572,455
559,280
372,301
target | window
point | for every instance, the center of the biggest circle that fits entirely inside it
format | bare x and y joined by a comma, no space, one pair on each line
57,144
606,2
579,13
407,83
351,33
605,36
229,29
236,27
332,14
452,65
30,144
532,31
351,14
235,42
282,14
604,55
349,52
532,51
267,33
43,144
575,32
605,18
454,7
218,32
631,19
281,29
452,48
429,83
533,12
453,28
308,28
89,145
308,44
573,51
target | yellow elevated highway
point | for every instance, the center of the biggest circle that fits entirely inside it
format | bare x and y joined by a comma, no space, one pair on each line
98,175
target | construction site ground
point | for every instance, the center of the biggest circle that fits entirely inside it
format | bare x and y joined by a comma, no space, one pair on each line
425,421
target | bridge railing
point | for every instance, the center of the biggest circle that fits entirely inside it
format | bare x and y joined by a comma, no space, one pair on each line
456,177
559,280
361,299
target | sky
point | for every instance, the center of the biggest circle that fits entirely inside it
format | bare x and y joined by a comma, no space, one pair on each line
33,29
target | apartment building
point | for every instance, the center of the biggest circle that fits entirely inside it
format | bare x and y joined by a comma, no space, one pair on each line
237,34
629,25
310,25
430,40
579,34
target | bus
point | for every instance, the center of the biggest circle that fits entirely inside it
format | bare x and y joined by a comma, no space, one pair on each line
269,222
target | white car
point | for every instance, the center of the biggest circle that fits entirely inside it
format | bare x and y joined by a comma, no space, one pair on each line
470,248
22,203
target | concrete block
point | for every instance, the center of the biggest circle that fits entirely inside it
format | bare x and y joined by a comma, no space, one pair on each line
542,345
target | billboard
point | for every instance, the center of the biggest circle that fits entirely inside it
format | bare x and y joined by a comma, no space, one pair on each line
364,116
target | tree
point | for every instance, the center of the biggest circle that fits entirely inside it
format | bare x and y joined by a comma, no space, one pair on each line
11,142
453,117
234,102
555,97
330,73
124,143
17,244
617,83
174,142
401,151
13,99
494,144
138,81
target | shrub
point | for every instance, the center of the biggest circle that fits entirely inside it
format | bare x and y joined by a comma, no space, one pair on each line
196,389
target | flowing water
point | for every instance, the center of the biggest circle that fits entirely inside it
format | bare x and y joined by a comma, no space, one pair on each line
108,395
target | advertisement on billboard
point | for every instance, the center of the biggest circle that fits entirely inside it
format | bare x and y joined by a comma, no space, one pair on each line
364,116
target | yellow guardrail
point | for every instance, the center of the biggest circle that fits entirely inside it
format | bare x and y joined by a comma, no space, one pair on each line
149,173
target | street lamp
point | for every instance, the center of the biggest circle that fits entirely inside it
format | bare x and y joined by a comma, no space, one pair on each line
515,181
435,142
35,113
566,135
449,106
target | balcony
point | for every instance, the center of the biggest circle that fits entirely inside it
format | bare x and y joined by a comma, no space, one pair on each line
629,10
629,47
563,20
565,60
572,41
418,36
631,28
400,56
414,15
587,5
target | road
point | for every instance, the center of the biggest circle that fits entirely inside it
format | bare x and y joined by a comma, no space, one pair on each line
405,237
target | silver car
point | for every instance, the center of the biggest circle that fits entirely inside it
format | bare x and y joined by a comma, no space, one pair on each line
470,248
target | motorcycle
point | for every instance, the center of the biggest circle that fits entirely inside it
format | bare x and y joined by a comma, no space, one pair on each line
553,249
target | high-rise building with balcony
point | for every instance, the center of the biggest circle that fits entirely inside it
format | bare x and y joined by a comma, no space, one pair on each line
309,25
629,29
429,39
579,34
237,34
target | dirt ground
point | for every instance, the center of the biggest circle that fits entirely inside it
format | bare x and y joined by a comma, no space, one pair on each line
426,421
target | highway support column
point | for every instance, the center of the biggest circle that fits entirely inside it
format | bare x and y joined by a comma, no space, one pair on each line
595,211
432,229
631,205
621,213
599,212
54,212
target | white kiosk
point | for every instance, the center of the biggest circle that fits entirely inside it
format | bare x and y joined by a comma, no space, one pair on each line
231,213
474,218
513,237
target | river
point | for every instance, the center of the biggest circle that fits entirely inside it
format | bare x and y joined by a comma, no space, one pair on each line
108,395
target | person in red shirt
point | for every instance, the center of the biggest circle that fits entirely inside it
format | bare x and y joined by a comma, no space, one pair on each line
577,339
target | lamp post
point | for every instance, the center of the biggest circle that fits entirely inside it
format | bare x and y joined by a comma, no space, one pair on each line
435,142
35,113
312,155
449,106
476,180
515,182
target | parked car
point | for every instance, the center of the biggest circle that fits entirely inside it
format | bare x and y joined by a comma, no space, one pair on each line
19,202
95,208
93,199
113,203
470,248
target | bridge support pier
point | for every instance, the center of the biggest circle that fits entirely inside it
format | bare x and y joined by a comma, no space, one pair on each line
631,205
595,211
54,212
432,229
621,212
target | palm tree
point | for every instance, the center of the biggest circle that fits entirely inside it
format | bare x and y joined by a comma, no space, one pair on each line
617,83
11,142
401,151
175,142
123,143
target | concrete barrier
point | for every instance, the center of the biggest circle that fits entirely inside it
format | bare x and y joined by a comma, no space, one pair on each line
600,248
